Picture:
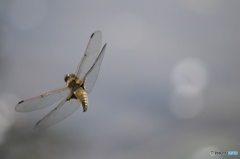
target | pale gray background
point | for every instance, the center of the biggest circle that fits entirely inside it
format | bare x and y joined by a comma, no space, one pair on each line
169,85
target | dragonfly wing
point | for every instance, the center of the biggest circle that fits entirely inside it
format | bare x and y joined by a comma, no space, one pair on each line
92,74
42,101
64,109
90,54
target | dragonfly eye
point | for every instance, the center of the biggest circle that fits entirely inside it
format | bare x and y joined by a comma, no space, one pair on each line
68,76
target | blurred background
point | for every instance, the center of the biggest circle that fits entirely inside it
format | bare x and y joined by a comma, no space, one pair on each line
169,84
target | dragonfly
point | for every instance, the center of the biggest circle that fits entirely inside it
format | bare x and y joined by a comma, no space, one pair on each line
75,92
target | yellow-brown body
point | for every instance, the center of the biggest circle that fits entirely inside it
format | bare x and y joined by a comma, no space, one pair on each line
77,88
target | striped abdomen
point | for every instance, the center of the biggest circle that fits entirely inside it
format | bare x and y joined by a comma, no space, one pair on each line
81,95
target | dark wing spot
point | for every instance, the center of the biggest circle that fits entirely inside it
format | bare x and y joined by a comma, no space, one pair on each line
21,102
92,35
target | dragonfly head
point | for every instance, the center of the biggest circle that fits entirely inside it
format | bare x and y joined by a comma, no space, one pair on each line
69,75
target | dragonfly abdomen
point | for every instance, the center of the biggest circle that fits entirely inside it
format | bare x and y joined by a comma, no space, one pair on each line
81,95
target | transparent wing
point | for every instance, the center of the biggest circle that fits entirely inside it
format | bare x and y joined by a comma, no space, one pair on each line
90,55
92,74
64,109
42,101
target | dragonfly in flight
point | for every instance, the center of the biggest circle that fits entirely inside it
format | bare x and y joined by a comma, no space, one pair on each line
75,91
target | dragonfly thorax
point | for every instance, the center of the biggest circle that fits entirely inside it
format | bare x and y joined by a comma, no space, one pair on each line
73,82
67,76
